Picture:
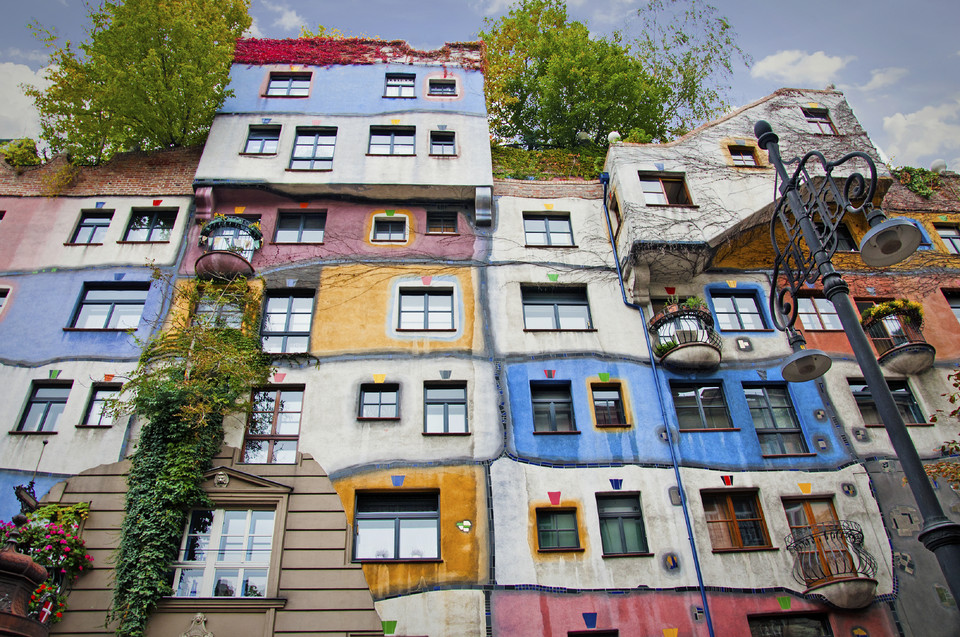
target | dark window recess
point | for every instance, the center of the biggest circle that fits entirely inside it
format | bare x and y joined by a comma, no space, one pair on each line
92,227
288,85
380,400
441,222
552,407
397,526
262,140
621,524
444,88
557,530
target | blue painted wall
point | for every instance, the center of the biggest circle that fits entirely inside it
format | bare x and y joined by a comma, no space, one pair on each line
31,326
355,89
9,505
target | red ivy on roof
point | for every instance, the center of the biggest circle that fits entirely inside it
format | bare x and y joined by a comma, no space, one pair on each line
330,51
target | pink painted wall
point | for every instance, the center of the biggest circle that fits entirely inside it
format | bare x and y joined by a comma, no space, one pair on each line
650,613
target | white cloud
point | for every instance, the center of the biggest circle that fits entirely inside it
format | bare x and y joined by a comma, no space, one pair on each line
289,20
18,118
799,68
880,78
933,131
13,53
492,7
254,30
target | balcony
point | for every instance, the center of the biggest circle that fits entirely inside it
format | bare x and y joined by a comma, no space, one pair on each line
228,244
684,338
895,329
829,559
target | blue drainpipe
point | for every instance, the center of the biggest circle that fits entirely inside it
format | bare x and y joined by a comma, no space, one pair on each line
605,180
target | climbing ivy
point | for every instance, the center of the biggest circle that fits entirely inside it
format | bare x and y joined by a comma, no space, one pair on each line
187,380
918,180
515,163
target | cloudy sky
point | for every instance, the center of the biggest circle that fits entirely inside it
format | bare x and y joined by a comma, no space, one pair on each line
897,62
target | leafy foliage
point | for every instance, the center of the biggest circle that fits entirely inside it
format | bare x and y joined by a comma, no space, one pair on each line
515,163
920,181
187,380
949,468
20,152
52,539
687,47
547,80
910,310
151,75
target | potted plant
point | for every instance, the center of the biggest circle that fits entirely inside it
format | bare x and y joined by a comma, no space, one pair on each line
910,311
662,348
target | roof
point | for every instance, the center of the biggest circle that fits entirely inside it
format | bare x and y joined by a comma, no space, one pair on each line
944,199
163,172
344,51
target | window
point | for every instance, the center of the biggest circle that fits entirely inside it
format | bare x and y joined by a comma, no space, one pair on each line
95,416
400,85
902,396
818,121
442,88
952,298
224,553
735,520
441,222
700,407
443,143
664,191
552,408
45,406
783,625
827,557
213,312
274,426
110,308
845,240
397,526
547,230
313,149
380,400
392,140
557,530
286,323
295,227
426,310
775,420
150,225
3,298
737,312
743,156
385,229
92,227
262,140
608,405
621,525
234,238
817,313
445,408
950,235
288,85
555,309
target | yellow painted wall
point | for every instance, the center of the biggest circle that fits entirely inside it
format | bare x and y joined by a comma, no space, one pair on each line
464,556
355,303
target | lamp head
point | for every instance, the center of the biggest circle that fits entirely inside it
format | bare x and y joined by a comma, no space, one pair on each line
890,242
804,365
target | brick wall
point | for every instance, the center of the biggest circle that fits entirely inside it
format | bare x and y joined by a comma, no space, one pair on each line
548,189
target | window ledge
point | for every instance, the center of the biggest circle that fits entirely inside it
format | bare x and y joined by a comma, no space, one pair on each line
439,156
410,329
369,419
296,243
285,97
399,97
179,604
618,425
70,243
579,549
402,560
308,170
391,155
537,245
788,455
446,433
82,426
708,429
614,555
142,242
589,329
442,234
257,154
672,205
818,330
908,424
766,329
748,549
556,433
100,329
32,433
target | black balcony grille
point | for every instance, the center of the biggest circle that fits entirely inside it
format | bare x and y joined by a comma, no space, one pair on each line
830,551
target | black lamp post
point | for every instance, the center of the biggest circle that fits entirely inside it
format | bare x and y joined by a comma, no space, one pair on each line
812,192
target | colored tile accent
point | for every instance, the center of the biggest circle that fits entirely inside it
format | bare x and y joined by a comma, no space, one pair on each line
670,290
426,280
670,632
278,377
590,620
731,283
100,204
397,480
394,121
303,204
54,373
390,213
604,376
238,210
616,483
548,206
465,525
116,277
554,497
727,480
379,378
445,374
157,202
265,120
108,377
553,277
805,487
389,626
784,601
550,373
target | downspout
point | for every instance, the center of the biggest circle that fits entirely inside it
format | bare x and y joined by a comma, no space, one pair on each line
605,180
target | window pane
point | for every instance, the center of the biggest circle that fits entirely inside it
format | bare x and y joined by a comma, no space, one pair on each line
418,539
574,317
226,582
374,539
538,317
189,583
254,583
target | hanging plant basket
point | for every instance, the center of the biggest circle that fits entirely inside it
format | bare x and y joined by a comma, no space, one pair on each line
911,311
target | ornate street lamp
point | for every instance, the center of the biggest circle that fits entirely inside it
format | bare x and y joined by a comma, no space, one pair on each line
813,193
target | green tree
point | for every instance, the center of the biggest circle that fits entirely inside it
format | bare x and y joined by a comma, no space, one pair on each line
692,50
549,83
151,75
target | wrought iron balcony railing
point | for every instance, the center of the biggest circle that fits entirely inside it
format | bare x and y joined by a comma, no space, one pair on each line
829,552
898,338
678,330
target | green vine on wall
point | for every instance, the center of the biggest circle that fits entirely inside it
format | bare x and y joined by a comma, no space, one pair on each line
920,181
187,380
554,163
